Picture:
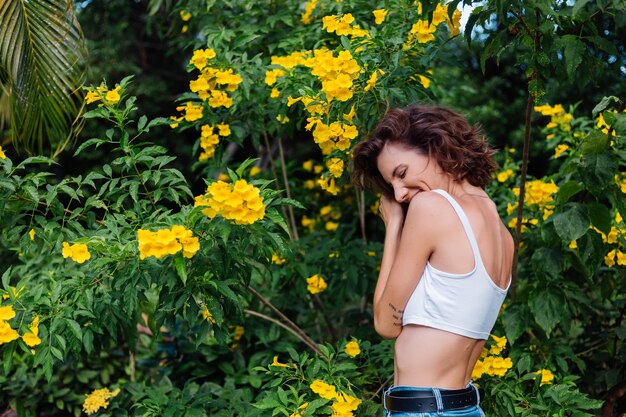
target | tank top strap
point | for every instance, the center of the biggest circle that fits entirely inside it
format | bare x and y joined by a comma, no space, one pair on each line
466,225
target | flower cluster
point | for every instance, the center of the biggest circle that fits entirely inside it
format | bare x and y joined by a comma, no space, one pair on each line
101,92
309,7
491,364
343,404
336,136
343,26
209,139
241,202
167,242
423,31
539,196
98,399
78,252
336,73
8,334
615,256
352,348
212,87
316,284
559,118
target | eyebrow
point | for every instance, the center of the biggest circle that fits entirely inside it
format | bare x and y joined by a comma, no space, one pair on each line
395,170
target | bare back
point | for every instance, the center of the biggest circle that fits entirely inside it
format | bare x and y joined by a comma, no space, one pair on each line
425,356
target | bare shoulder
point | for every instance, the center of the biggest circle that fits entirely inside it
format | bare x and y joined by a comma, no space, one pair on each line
428,208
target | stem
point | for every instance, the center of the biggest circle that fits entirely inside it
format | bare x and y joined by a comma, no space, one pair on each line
143,184
132,366
273,166
294,326
284,326
331,328
522,189
287,189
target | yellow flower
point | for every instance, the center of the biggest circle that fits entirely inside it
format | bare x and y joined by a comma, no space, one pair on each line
546,376
352,348
276,259
185,15
499,346
276,363
254,171
609,259
201,56
32,234
309,7
7,334
425,81
558,151
113,96
78,252
2,155
192,112
31,338
6,313
504,175
621,258
379,15
323,389
92,96
206,314
316,284
98,399
335,166
331,226
573,245
223,130
275,93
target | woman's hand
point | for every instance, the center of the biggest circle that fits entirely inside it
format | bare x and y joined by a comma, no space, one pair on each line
391,211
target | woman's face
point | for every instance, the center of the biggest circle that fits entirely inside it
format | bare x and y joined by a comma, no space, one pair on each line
407,171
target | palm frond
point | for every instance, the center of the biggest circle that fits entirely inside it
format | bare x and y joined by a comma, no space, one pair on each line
41,49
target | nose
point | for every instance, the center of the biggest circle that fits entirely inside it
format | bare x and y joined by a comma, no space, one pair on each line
400,194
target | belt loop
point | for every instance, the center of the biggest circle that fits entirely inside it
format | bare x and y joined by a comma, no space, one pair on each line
437,394
477,393
385,392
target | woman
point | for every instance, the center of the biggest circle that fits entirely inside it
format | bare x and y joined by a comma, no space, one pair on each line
447,256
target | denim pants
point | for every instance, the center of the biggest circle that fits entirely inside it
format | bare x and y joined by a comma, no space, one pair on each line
471,411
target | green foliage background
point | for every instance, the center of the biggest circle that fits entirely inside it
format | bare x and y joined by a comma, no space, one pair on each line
120,322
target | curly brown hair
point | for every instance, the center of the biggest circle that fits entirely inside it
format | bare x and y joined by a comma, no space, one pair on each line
459,148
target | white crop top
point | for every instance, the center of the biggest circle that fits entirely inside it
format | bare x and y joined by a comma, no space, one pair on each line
465,304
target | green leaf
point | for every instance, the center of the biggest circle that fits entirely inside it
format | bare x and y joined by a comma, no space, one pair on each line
598,171
578,6
568,190
515,319
572,222
547,305
604,104
600,216
181,267
574,51
41,47
75,328
547,261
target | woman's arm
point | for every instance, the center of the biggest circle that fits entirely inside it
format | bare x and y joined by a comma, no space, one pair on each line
408,245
